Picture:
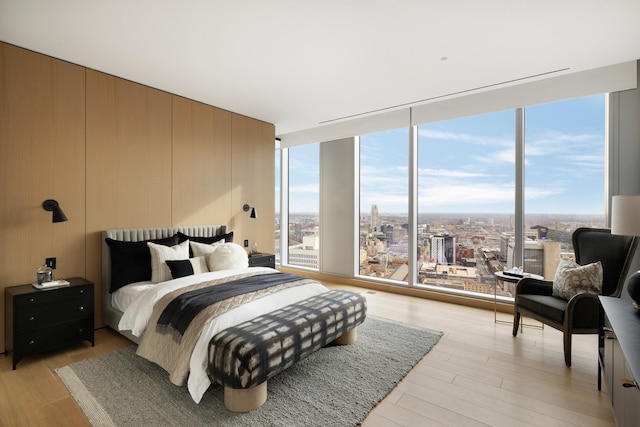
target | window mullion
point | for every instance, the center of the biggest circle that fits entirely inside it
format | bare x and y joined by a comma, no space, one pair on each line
518,259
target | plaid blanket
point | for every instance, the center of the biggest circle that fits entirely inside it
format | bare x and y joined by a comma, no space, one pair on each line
248,354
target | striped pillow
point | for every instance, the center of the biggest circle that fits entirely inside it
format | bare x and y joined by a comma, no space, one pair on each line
160,254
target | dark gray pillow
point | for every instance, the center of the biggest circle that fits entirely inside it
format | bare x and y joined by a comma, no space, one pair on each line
180,268
131,261
207,240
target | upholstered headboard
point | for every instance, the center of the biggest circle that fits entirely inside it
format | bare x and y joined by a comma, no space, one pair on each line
112,316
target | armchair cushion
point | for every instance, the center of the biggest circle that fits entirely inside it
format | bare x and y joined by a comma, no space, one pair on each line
572,279
545,305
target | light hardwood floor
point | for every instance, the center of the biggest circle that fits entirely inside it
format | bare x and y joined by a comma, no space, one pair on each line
477,374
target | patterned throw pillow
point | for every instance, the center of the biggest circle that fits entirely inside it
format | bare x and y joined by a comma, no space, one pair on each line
572,279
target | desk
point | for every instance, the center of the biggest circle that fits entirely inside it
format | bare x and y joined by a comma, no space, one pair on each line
501,277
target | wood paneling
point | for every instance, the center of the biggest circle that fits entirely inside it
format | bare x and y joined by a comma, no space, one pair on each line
201,164
253,182
116,154
128,154
42,116
128,161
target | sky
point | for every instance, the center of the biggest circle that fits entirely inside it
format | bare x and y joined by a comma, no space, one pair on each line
467,165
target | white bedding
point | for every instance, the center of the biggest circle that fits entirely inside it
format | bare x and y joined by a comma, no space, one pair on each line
124,297
139,311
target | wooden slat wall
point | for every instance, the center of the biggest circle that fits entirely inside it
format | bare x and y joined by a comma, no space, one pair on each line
201,163
128,161
253,181
116,154
41,157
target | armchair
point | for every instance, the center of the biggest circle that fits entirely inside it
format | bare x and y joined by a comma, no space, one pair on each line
578,315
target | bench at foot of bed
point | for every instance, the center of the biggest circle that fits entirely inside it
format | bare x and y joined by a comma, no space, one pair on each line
244,357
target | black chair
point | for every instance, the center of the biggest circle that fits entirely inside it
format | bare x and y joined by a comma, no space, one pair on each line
579,315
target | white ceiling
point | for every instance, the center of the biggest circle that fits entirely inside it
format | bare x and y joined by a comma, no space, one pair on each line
299,64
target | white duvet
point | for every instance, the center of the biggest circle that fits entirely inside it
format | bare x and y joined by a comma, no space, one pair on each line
138,313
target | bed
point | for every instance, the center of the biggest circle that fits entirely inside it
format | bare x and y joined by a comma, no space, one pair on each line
130,307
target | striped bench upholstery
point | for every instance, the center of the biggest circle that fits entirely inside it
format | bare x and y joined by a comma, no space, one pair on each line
244,357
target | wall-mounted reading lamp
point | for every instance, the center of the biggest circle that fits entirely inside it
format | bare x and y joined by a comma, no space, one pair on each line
246,208
53,206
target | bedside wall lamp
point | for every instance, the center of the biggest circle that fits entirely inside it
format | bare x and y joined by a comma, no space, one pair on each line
53,206
246,208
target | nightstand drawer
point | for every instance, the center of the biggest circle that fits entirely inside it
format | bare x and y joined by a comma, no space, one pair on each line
34,318
54,336
262,260
52,296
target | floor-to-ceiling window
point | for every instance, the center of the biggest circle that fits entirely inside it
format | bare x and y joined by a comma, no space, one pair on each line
304,195
564,178
466,193
384,202
468,218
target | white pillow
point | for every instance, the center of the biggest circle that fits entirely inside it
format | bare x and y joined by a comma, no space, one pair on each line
199,265
572,278
204,249
228,256
159,254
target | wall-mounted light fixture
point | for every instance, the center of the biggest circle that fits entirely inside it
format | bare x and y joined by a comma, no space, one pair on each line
53,206
246,208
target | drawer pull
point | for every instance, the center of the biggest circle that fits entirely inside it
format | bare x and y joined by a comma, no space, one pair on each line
81,330
628,383
81,308
82,291
31,319
31,300
609,335
32,342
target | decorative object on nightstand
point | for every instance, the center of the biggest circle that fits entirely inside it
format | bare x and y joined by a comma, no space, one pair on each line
624,220
44,274
262,260
42,320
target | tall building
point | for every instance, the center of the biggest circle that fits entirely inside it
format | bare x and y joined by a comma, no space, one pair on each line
375,219
443,250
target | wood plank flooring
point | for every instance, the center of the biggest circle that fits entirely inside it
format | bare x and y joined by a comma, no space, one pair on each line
477,375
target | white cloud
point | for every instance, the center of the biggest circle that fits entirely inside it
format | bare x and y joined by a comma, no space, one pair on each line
482,140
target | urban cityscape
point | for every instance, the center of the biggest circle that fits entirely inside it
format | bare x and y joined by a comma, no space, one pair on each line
459,252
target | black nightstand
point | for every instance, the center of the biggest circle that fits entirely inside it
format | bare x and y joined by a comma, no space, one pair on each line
41,320
262,260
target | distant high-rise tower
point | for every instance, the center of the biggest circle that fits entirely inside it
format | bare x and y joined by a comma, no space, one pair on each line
443,250
375,220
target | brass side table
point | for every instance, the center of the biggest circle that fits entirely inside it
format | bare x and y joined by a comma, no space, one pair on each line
501,277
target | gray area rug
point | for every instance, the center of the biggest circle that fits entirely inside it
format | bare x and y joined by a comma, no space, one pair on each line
335,386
